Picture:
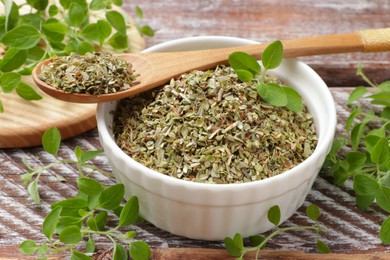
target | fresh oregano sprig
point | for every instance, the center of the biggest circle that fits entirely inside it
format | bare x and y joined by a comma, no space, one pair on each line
367,160
51,141
51,30
235,245
248,69
83,218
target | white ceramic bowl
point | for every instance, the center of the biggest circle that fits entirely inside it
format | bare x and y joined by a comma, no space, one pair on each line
214,211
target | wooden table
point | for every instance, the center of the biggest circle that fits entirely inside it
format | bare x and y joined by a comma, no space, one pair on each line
351,231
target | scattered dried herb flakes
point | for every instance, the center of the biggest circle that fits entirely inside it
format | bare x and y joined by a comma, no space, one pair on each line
93,73
209,127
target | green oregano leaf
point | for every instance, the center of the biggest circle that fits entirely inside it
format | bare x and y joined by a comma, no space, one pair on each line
322,247
51,140
272,55
273,215
244,75
90,246
355,160
233,245
117,21
89,186
22,37
365,184
89,155
101,219
120,252
129,213
79,256
9,81
147,30
117,2
1,107
139,250
28,247
364,201
256,240
356,94
380,152
91,222
13,59
50,222
118,41
54,30
272,93
294,99
33,191
40,5
97,4
112,196
76,14
383,197
313,212
384,233
53,10
139,13
27,92
70,235
242,61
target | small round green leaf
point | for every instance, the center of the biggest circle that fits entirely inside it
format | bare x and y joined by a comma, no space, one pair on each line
27,92
51,140
139,250
231,247
294,99
101,219
272,93
119,41
120,253
383,197
256,240
22,37
112,196
356,94
363,202
33,191
272,55
117,21
9,81
97,4
90,246
322,247
242,61
365,184
244,75
89,186
70,235
129,213
53,10
13,59
76,14
79,256
50,223
274,215
313,212
91,222
384,233
380,152
28,247
147,30
355,160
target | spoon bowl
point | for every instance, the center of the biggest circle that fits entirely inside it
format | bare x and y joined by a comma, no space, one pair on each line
155,69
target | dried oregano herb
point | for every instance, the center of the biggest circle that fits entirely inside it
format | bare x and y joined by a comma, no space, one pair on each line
207,126
93,73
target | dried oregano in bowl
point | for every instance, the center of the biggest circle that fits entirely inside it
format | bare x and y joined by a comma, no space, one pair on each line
207,126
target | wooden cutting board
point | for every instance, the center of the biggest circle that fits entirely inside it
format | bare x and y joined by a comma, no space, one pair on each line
23,122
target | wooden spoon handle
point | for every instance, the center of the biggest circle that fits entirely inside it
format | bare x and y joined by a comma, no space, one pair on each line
375,40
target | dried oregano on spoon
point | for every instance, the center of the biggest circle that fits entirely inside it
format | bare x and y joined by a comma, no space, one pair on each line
93,73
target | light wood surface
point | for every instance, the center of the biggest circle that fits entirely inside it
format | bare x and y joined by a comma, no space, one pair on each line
24,122
352,233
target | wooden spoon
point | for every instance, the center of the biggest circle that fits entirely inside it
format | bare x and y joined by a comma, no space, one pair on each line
155,69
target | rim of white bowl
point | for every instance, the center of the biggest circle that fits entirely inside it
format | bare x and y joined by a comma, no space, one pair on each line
323,141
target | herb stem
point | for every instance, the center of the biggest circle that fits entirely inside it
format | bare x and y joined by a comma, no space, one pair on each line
275,233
